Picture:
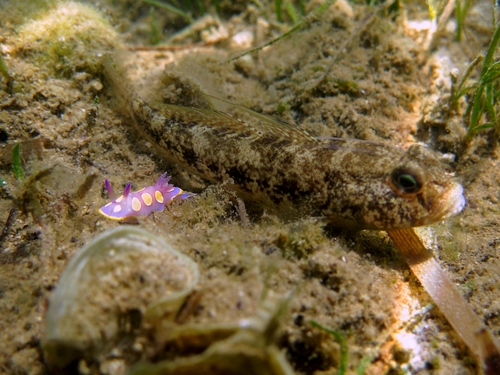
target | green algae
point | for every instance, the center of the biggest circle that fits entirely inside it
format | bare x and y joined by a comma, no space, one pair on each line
69,38
17,168
7,76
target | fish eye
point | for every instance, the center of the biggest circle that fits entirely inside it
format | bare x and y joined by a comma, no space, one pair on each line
406,181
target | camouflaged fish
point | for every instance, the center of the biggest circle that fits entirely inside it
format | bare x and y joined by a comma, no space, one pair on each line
350,183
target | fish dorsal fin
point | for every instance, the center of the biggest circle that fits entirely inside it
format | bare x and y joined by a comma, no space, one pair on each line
355,145
126,191
271,125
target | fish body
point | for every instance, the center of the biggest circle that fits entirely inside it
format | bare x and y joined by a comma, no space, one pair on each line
131,205
350,183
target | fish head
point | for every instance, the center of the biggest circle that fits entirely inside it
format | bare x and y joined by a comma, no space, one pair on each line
415,191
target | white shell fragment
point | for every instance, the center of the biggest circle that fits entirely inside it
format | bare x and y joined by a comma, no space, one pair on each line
124,270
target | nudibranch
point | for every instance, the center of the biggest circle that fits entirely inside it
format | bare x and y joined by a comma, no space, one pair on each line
134,204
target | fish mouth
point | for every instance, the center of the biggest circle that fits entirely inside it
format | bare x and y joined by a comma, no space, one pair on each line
451,202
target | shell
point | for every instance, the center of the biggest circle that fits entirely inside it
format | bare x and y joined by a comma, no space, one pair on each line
124,270
244,347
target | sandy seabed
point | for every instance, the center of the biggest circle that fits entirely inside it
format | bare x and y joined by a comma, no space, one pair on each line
383,86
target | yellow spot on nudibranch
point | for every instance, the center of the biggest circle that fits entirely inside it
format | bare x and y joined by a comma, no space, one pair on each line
147,198
117,209
119,199
136,204
158,196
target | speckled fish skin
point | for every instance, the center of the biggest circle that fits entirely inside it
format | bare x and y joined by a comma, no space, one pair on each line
352,183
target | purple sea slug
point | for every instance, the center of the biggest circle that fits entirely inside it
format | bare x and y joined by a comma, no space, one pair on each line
143,202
